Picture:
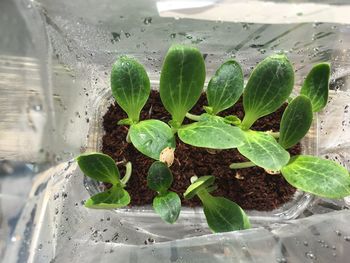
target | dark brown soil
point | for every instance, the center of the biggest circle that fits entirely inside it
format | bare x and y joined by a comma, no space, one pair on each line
251,188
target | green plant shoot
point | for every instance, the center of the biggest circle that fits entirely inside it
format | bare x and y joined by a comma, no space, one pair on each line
130,87
268,87
166,204
316,84
225,87
101,167
181,81
222,214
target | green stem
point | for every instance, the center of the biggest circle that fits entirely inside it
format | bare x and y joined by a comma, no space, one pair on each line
128,170
128,137
192,116
247,122
242,165
204,195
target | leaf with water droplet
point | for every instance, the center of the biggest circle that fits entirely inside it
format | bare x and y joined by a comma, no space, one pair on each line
150,137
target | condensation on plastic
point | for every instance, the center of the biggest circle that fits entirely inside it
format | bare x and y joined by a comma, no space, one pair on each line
76,43
56,227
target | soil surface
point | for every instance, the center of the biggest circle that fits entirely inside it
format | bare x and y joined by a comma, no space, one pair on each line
251,188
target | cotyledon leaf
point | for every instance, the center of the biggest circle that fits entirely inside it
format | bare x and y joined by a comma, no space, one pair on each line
99,166
315,86
222,214
268,87
159,177
112,198
225,87
150,137
167,206
296,121
212,132
130,86
263,150
181,81
201,183
317,176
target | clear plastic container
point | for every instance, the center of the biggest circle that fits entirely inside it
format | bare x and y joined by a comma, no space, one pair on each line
187,224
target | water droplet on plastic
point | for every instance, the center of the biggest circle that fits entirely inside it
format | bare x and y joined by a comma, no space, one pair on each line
147,20
305,243
281,260
310,255
347,238
338,232
127,35
40,246
173,35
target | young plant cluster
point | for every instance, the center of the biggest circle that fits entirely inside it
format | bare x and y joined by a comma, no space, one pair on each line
181,84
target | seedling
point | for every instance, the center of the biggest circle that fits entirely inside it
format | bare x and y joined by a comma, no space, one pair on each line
222,214
101,167
167,204
181,84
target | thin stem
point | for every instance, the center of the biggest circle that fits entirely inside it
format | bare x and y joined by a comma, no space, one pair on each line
192,116
128,137
128,170
242,165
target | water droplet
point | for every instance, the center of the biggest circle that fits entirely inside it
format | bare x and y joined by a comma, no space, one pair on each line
147,20
55,196
347,238
116,37
305,243
338,232
37,107
173,35
40,246
310,255
127,35
281,260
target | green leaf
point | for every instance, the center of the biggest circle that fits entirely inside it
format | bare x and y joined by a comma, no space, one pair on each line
99,166
168,206
130,86
225,87
317,176
222,214
296,121
263,150
268,87
181,81
200,184
126,121
115,197
212,133
150,137
159,177
316,86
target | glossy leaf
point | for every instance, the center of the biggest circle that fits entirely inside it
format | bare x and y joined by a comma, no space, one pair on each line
268,87
99,166
317,176
296,121
225,87
159,177
150,137
130,86
232,119
212,132
181,81
167,206
315,86
200,184
222,214
113,198
263,150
